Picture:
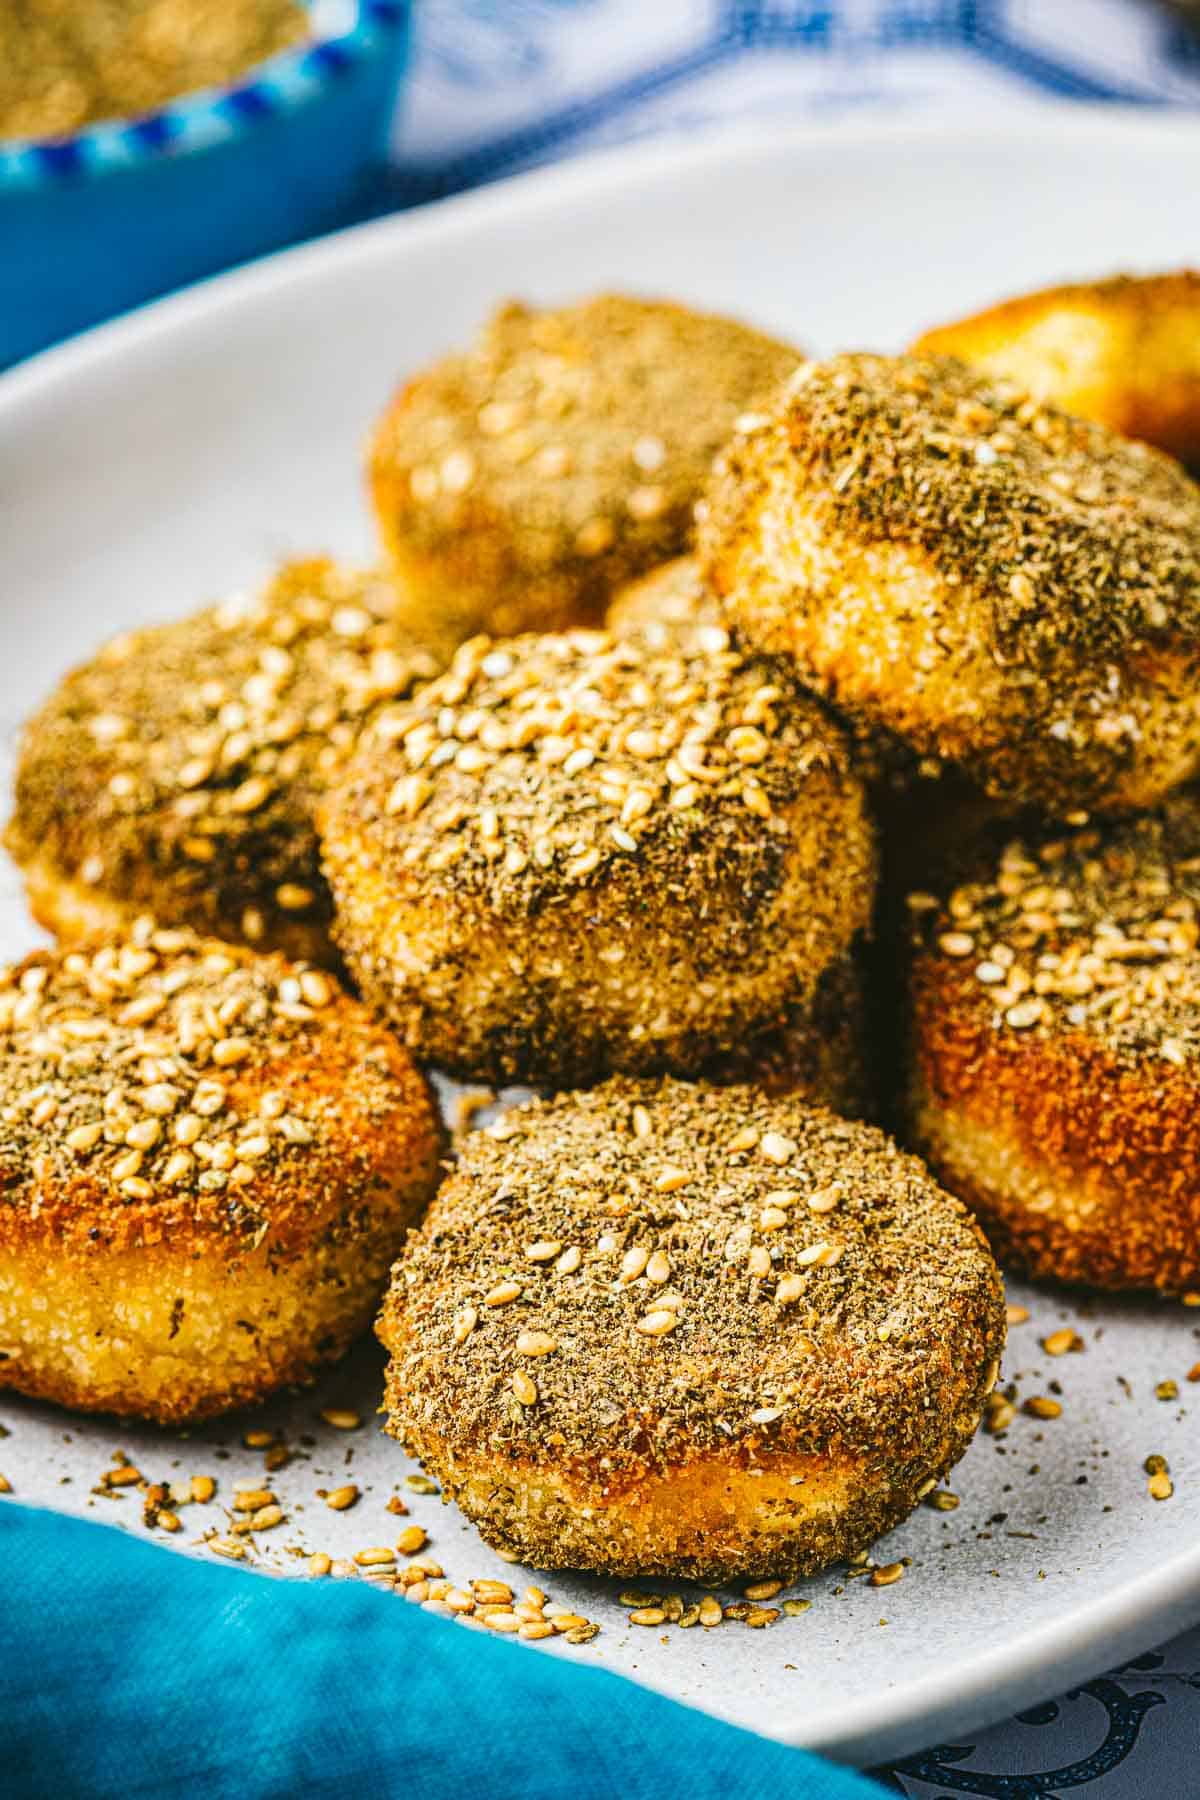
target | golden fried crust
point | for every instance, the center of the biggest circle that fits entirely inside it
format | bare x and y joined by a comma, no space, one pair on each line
994,583
517,484
1125,352
176,772
1054,1027
820,1050
673,594
591,853
207,1161
657,1328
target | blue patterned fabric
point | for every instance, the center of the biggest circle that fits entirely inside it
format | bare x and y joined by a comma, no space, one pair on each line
126,1671
498,88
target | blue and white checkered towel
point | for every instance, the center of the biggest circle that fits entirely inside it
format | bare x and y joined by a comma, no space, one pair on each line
501,85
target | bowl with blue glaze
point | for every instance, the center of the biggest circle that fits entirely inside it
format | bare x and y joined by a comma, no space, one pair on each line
118,212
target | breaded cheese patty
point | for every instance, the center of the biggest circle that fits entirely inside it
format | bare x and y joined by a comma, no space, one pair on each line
991,582
208,1160
1054,1077
663,1329
518,483
822,1049
672,594
1125,352
176,772
587,853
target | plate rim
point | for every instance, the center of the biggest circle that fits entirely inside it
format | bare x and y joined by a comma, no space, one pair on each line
591,175
1144,1610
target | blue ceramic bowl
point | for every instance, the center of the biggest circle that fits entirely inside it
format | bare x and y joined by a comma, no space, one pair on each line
94,223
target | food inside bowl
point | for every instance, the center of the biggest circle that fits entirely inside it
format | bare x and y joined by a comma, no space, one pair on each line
65,64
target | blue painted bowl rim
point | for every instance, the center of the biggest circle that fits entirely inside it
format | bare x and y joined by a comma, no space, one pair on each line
210,116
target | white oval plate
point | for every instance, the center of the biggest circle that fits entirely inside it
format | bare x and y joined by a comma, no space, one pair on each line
169,457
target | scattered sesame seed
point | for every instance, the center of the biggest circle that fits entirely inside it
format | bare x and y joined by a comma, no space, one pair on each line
887,1574
342,1497
341,1418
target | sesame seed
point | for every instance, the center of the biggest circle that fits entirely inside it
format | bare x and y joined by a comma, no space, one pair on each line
777,1148
657,1323
341,1418
524,1390
658,1268
503,1293
671,1179
634,1261
250,795
294,897
887,1574
956,943
227,1547
342,1497
543,1251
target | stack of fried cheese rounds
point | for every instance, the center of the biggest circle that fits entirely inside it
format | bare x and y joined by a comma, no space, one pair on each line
1055,1049
176,772
662,1328
986,580
518,483
587,853
209,1160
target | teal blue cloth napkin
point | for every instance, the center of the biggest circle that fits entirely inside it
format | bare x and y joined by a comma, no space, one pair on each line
126,1670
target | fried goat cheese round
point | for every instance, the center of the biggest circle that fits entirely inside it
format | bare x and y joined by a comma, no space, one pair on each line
176,773
663,1329
208,1160
822,1049
993,583
1054,1055
517,484
1125,352
587,854
672,594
